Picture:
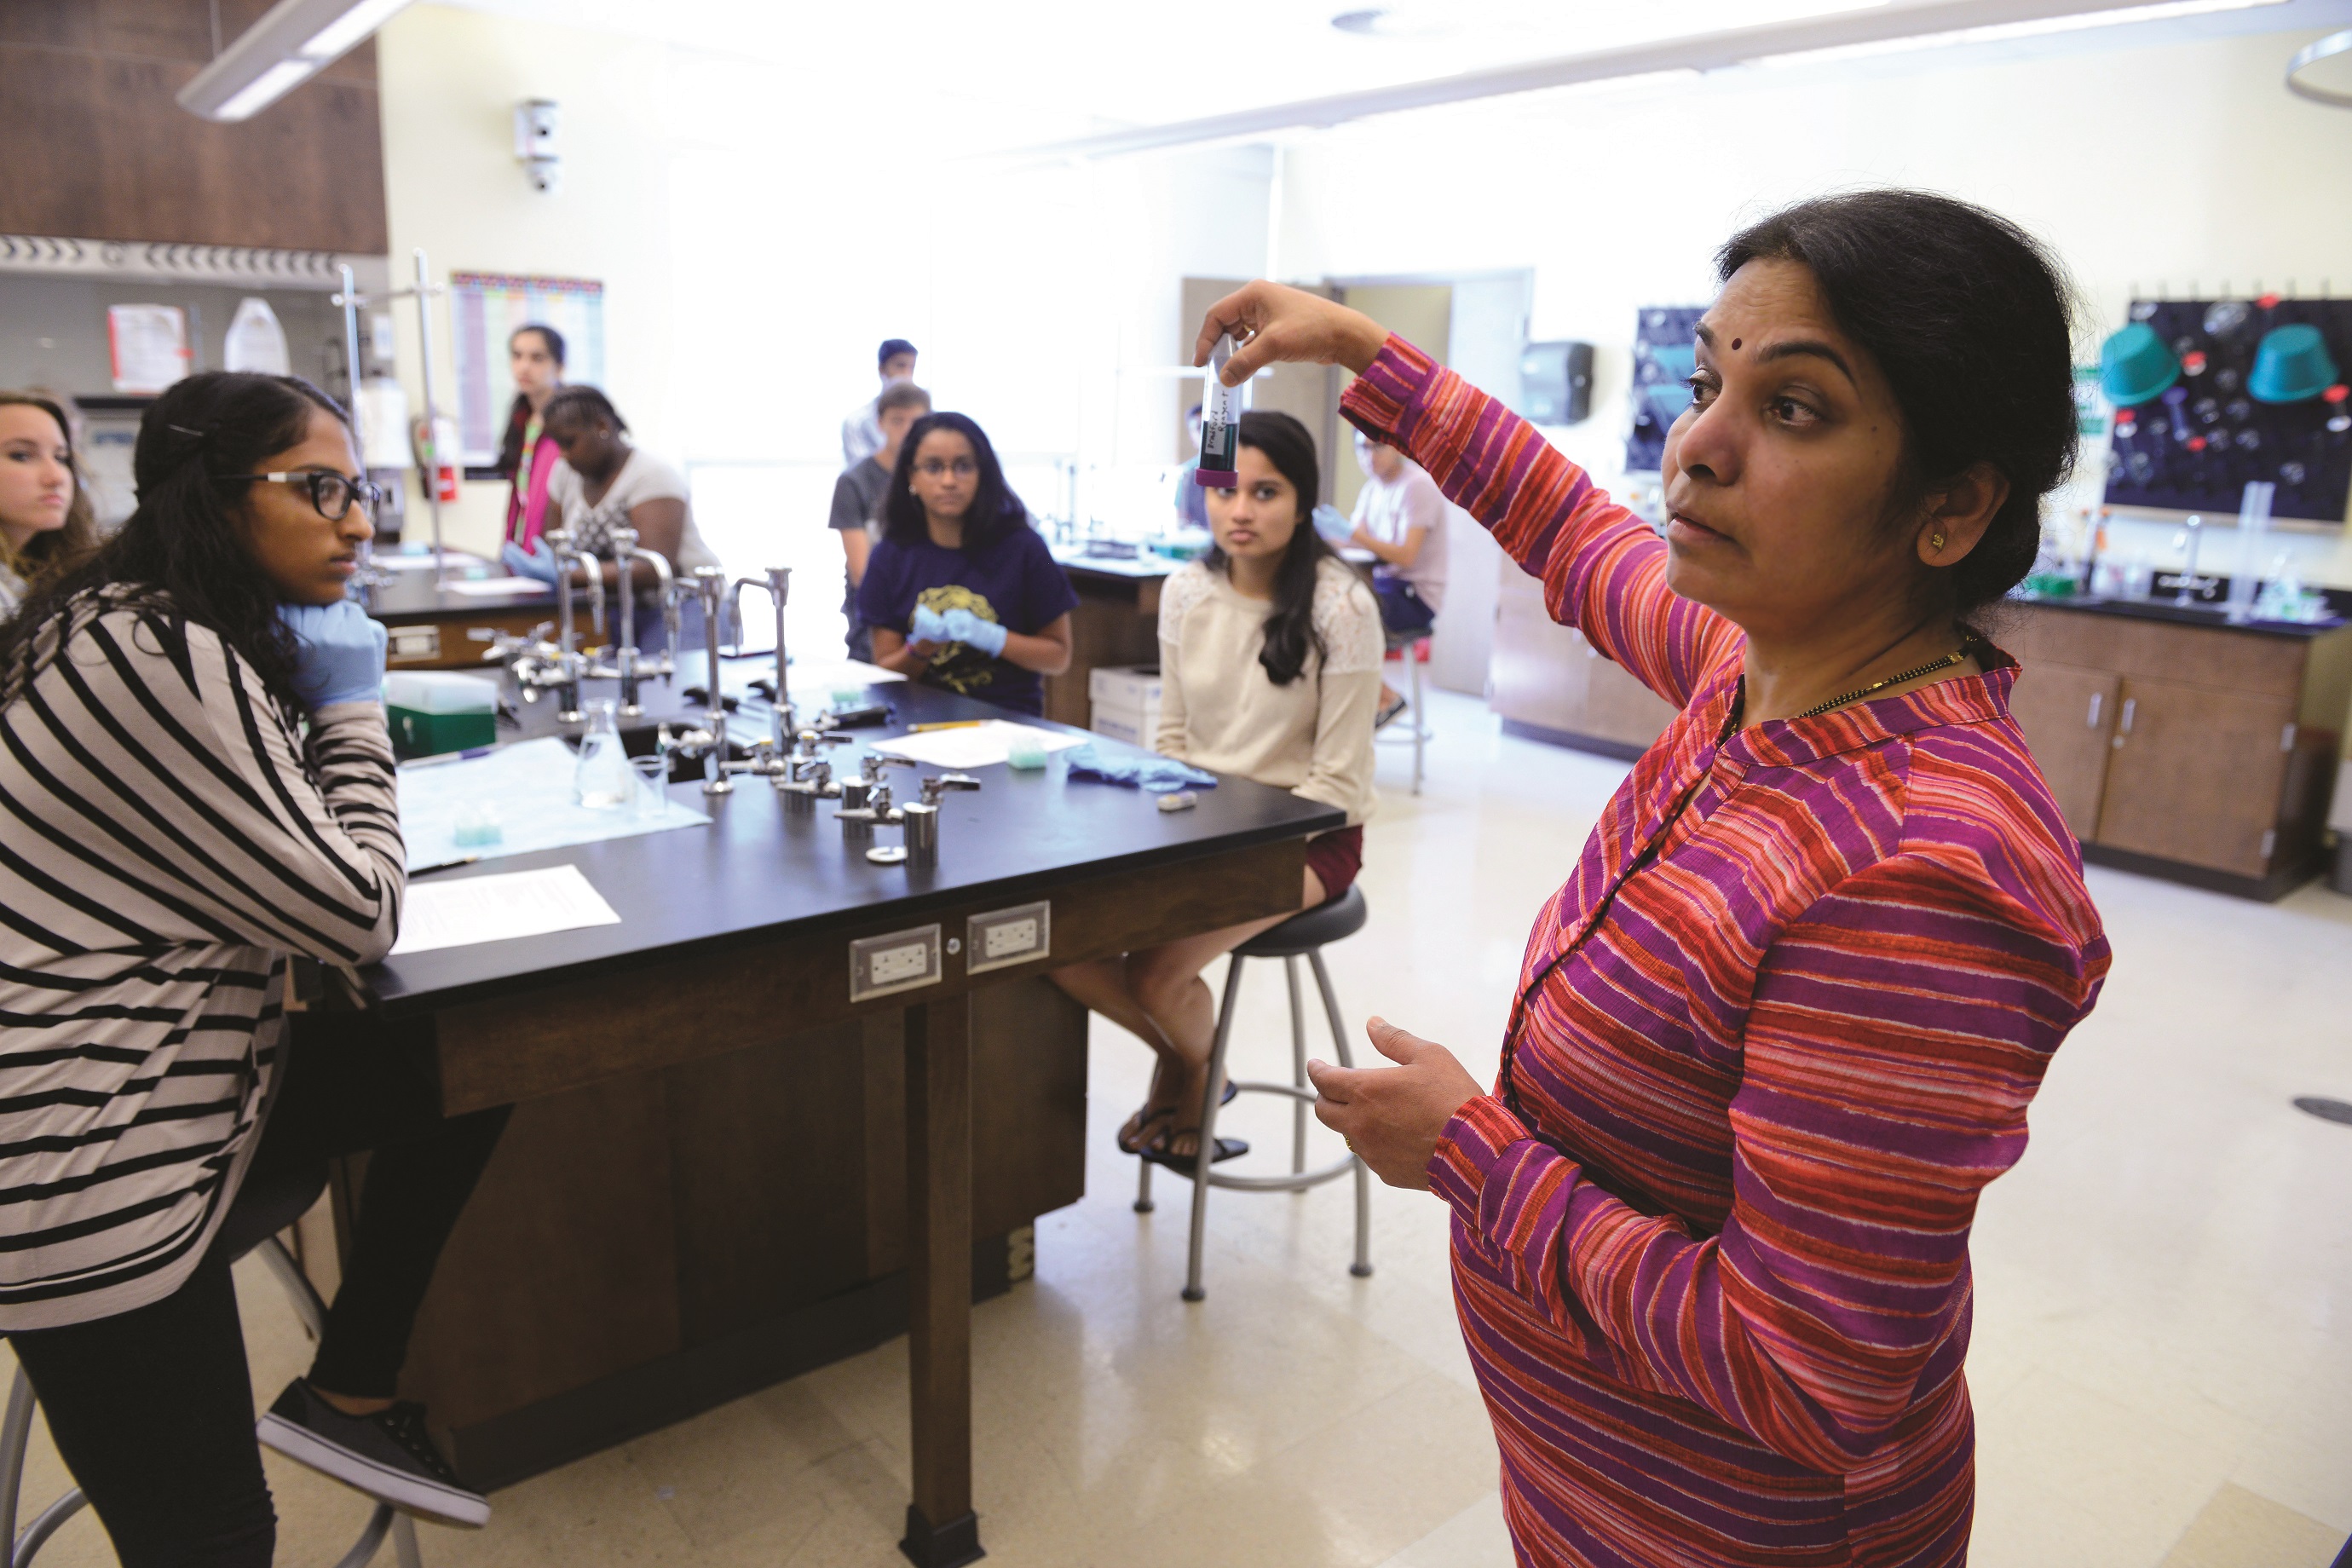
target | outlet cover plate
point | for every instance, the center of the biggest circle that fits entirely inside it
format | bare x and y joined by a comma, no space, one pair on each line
1003,938
895,961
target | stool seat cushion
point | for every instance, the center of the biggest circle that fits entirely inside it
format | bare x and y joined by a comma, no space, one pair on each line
1310,929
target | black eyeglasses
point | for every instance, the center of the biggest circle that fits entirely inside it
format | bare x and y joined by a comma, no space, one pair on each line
332,493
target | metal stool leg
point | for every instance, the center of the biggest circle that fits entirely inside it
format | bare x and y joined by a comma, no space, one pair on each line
1210,1093
1143,1204
1420,729
1297,1068
15,1435
1362,1266
403,1543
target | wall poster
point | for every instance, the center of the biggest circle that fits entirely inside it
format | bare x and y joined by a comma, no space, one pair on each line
485,308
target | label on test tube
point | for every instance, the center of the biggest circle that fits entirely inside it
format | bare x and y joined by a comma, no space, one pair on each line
1221,412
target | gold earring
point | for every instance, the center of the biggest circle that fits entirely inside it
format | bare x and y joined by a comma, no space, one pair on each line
1935,542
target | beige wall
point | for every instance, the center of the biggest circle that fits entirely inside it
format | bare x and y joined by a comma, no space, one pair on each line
449,82
1618,202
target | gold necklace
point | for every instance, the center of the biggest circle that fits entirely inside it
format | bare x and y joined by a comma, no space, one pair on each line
1949,659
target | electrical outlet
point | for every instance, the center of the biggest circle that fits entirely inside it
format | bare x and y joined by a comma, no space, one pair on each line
899,961
1002,938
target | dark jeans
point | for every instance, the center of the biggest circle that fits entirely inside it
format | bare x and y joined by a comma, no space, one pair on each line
1402,610
153,1408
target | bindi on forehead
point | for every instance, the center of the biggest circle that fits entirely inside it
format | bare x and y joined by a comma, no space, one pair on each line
1735,345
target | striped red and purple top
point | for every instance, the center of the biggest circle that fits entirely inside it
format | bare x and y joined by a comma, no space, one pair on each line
1775,1035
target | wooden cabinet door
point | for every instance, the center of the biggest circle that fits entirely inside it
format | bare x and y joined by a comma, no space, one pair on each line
2068,715
1539,672
2195,774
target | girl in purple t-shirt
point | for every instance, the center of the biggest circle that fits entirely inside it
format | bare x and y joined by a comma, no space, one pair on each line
961,593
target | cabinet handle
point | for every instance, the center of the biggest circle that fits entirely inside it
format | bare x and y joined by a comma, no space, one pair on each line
2098,701
2131,705
2286,738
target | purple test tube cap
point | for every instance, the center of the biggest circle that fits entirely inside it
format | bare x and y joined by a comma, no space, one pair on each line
1217,478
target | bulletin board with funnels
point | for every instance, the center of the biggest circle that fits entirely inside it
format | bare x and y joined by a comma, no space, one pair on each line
2212,394
1664,357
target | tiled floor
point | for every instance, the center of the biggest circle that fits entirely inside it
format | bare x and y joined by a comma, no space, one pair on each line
2163,1354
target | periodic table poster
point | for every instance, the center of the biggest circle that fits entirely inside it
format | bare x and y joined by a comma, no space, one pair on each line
485,310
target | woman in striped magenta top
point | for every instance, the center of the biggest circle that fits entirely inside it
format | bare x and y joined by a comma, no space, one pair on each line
1783,1023
196,787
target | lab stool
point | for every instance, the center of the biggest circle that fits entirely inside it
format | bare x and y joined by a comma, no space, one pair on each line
1412,644
262,1209
1302,935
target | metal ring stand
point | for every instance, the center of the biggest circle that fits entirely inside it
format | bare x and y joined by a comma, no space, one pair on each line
1204,1175
16,1431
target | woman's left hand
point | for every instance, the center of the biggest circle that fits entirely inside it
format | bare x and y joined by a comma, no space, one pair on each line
1393,1117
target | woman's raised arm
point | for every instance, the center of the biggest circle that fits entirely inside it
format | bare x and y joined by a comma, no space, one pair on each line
1602,569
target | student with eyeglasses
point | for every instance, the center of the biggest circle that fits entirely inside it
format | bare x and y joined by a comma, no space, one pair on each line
197,795
961,593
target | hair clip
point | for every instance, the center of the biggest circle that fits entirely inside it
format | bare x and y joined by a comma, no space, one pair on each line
184,430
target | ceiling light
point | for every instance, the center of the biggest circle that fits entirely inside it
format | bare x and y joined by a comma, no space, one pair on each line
278,53
343,34
2039,27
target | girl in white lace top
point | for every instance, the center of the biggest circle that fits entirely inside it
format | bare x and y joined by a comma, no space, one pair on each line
1270,668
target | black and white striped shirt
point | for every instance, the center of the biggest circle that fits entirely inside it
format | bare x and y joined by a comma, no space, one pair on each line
167,839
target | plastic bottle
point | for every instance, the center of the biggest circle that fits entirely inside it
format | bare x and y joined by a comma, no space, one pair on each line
1221,413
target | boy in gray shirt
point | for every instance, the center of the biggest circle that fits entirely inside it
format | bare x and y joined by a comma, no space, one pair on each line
859,494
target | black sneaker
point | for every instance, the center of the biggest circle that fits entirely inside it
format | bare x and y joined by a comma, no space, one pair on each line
386,1455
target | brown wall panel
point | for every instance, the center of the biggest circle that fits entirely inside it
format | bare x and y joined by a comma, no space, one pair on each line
100,151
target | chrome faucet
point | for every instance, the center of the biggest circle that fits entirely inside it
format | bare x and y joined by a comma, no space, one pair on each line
629,665
777,584
2190,532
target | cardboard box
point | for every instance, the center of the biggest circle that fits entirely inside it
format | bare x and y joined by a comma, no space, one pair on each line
1123,702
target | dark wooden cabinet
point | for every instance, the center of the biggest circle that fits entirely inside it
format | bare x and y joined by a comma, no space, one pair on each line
1548,681
2199,752
2069,716
2195,773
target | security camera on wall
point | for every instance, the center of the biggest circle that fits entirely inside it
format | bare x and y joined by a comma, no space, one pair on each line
536,123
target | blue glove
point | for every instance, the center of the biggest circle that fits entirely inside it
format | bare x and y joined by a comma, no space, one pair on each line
338,652
1332,523
538,562
1157,775
930,626
972,632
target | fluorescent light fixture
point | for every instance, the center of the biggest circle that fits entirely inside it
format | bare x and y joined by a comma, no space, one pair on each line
1822,29
343,34
2040,27
265,89
290,43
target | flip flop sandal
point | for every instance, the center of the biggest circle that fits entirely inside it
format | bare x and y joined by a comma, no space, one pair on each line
1145,1120
1185,1164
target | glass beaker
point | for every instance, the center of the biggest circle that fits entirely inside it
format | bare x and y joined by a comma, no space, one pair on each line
602,780
652,774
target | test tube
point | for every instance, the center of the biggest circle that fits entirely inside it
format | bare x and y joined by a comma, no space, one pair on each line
1221,413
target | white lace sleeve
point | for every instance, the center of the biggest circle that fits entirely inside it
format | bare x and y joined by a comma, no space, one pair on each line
1182,588
1347,619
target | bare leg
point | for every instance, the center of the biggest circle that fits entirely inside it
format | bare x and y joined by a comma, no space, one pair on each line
1100,985
1167,981
1157,995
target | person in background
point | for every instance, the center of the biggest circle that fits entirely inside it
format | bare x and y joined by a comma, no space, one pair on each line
45,525
196,788
528,456
1269,667
961,593
605,482
859,494
861,433
1191,498
1401,518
